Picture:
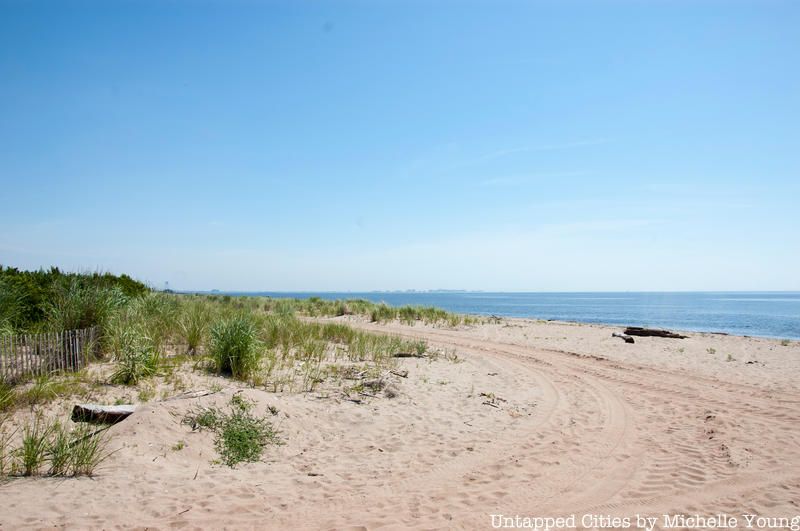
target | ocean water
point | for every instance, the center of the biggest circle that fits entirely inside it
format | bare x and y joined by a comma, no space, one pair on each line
768,314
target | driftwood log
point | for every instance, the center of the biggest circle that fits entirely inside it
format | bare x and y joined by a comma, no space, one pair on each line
652,332
407,355
627,339
99,414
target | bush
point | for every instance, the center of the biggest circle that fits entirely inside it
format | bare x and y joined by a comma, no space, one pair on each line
27,297
234,347
239,435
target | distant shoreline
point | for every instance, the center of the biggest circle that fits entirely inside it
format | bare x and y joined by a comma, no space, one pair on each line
766,314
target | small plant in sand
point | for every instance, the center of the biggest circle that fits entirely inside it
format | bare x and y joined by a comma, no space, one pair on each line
59,451
75,452
711,350
730,358
88,450
32,453
240,436
785,342
234,347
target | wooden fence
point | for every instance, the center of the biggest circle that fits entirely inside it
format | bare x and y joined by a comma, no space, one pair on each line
26,356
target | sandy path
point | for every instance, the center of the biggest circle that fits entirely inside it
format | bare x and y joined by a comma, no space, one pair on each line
622,439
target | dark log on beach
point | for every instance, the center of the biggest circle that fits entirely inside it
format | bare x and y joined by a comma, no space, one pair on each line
627,339
407,355
99,414
651,332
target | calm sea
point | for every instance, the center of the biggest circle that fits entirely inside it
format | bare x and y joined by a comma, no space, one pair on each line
770,314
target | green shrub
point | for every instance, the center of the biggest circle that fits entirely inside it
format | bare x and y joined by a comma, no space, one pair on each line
27,298
239,436
234,347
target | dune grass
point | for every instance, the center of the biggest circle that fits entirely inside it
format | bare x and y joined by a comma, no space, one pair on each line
32,452
235,349
137,360
262,341
377,312
76,452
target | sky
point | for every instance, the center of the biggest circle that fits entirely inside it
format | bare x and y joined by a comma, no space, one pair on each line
506,146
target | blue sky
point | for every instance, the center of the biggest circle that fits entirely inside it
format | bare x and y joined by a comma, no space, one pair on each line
393,145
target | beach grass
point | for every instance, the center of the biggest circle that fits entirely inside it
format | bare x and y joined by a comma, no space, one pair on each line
235,349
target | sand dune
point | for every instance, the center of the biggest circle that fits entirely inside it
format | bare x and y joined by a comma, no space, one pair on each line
532,419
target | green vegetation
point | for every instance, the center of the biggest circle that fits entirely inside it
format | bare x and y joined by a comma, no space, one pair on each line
377,312
194,324
148,336
235,349
59,451
33,451
88,450
136,360
32,301
75,452
785,342
261,341
7,397
239,436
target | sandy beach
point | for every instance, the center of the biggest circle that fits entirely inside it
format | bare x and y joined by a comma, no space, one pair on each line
522,417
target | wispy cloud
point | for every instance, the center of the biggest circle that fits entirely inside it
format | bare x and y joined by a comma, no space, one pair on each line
542,147
518,180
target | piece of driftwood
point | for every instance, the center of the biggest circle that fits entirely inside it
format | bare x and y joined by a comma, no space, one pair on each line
189,394
627,339
407,355
651,332
99,414
401,374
